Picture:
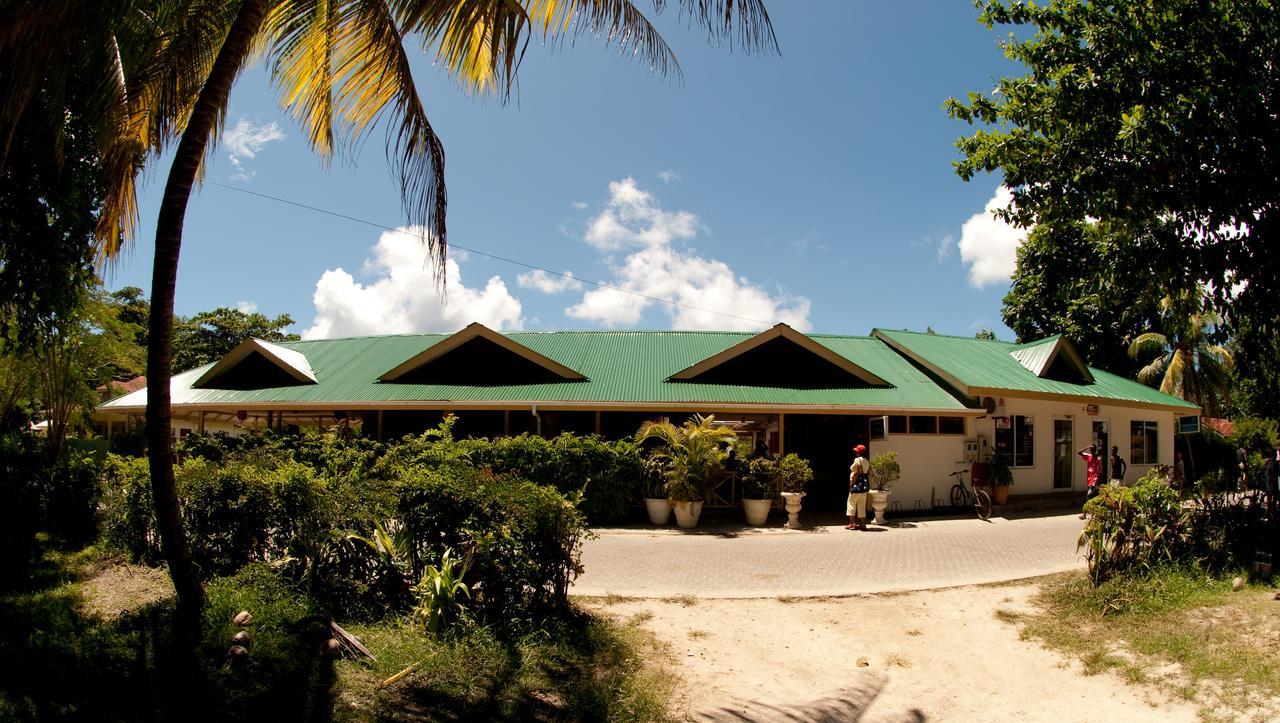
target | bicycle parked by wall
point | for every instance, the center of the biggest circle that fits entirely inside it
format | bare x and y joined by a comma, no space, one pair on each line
962,495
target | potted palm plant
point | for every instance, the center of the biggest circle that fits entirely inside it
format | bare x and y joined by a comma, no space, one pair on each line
793,474
1000,478
759,489
693,453
885,470
655,491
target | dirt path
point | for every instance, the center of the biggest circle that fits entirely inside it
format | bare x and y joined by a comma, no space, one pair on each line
933,655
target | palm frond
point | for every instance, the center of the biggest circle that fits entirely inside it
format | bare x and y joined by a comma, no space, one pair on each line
304,33
371,70
1174,381
1153,374
744,22
1148,345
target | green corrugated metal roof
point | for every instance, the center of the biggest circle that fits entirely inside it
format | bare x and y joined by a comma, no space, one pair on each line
621,367
985,364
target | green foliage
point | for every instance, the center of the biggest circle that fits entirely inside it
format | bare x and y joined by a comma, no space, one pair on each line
439,594
761,480
522,540
284,676
128,514
1133,528
208,336
1151,114
1001,471
1064,284
986,335
22,463
794,473
1255,434
694,452
885,470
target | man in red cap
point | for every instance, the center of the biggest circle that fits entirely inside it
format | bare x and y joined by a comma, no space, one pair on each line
859,486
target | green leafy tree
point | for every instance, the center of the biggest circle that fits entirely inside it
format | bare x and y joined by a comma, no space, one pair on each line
1074,280
986,335
1155,115
1183,360
133,308
209,335
78,352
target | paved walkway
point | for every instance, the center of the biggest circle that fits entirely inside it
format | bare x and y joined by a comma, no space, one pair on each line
731,561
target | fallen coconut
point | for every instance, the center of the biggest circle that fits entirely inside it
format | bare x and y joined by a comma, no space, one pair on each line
242,639
331,648
237,654
242,618
1237,584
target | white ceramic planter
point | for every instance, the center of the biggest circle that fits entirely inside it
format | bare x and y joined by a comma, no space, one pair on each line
659,510
757,511
793,501
879,501
687,513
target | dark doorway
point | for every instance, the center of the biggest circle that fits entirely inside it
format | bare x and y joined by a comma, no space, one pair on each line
827,441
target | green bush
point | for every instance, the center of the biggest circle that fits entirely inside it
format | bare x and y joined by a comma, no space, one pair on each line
128,515
520,541
21,462
1133,529
1255,434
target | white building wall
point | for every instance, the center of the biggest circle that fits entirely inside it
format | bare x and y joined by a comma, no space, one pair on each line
927,460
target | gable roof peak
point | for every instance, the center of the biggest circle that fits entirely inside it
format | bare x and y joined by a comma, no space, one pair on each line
471,332
1042,355
291,362
778,331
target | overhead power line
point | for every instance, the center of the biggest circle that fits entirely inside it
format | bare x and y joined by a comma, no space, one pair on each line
486,254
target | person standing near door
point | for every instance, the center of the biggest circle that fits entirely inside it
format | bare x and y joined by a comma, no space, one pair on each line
859,486
1118,466
1092,471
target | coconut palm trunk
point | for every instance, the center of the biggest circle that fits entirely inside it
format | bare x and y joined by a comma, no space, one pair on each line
173,208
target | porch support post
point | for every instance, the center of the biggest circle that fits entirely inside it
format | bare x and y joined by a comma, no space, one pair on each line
379,425
782,429
506,422
597,421
201,421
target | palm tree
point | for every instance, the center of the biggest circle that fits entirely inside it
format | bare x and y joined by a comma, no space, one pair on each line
1183,360
341,64
692,452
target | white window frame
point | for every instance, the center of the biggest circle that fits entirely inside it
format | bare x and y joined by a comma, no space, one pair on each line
1153,455
1013,448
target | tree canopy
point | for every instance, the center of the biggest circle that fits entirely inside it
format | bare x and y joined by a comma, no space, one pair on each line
209,335
1156,116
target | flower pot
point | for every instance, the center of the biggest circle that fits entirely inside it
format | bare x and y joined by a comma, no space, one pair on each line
757,511
659,510
879,501
687,513
1001,494
793,501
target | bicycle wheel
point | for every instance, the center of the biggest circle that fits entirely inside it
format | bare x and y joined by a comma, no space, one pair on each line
982,503
958,496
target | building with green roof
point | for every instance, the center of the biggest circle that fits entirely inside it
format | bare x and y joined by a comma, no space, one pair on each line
813,394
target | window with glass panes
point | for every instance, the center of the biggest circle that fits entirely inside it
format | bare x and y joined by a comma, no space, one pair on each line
1144,442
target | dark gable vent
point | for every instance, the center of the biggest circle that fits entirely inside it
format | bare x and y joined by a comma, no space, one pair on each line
479,362
254,371
782,363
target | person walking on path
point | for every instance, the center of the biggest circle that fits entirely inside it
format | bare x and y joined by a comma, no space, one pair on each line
1118,466
1092,471
859,486
1271,474
1242,462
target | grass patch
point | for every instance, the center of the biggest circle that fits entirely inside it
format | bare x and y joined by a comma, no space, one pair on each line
697,634
1224,643
914,632
1005,615
686,601
896,660
578,668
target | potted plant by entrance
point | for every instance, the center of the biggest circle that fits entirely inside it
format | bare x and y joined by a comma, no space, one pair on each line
884,472
655,492
1001,478
793,474
692,454
759,489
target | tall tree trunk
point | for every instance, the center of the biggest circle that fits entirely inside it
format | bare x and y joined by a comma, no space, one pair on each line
173,209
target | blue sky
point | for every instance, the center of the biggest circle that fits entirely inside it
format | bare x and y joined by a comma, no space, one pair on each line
814,187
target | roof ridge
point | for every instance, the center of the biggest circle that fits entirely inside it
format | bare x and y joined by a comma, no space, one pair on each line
943,336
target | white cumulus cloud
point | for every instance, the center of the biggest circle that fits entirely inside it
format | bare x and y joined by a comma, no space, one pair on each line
540,280
403,296
246,307
244,141
989,246
709,294
668,176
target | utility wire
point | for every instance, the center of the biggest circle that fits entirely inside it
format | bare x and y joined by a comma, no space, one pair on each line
486,254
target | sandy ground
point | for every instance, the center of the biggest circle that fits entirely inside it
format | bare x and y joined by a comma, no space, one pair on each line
119,588
933,655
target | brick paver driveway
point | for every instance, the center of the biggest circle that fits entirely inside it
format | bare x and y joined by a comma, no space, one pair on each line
827,559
